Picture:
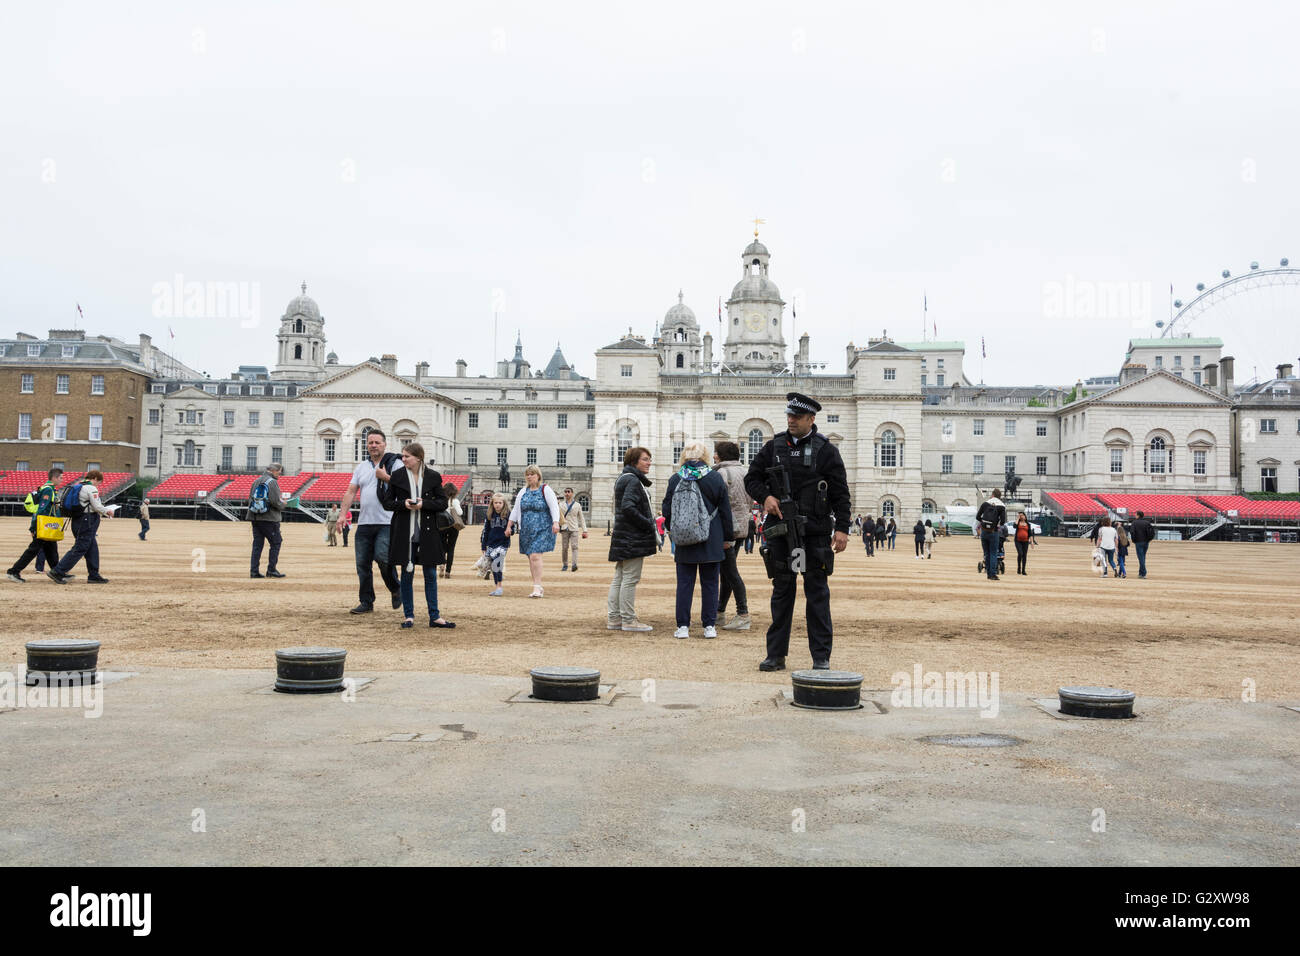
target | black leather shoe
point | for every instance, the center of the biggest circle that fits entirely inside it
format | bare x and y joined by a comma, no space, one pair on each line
361,609
275,574
772,664
97,580
821,665
256,574
397,602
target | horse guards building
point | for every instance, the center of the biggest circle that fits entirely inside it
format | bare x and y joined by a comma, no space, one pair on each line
915,433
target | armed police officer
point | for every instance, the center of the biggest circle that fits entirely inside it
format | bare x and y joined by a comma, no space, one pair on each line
799,480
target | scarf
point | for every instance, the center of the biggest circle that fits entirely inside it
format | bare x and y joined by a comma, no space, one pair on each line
416,478
694,470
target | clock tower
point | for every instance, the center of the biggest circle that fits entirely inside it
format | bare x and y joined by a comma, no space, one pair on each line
755,339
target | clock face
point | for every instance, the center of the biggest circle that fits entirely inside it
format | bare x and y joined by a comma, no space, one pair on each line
755,322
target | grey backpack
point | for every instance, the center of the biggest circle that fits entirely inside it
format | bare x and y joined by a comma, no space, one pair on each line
691,519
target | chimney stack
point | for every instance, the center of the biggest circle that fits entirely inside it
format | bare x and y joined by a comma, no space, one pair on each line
461,365
708,353
1225,368
1131,372
803,351
389,363
851,352
421,371
1284,370
1212,376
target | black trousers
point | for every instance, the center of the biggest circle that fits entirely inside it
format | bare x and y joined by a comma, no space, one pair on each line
449,537
268,531
817,597
1022,555
732,583
46,550
85,528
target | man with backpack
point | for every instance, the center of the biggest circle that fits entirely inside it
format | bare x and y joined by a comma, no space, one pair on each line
39,503
991,520
80,502
819,488
264,507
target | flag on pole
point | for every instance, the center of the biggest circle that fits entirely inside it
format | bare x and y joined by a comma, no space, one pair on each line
79,312
984,352
935,325
793,313
170,332
719,310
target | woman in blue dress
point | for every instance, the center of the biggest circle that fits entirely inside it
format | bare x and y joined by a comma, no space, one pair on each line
536,516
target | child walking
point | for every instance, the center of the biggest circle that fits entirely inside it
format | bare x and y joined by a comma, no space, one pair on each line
494,541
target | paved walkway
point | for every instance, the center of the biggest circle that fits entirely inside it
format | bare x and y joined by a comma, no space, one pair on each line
443,768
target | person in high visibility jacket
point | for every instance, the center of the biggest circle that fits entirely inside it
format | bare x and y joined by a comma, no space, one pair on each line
40,502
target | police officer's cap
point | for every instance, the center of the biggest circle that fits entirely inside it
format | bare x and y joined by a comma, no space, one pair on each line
801,405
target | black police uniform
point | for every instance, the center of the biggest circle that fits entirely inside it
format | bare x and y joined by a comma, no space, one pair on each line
809,461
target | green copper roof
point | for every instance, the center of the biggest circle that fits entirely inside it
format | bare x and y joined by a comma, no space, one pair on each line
934,346
1174,343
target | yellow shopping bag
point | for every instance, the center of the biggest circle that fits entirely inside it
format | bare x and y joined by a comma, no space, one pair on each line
50,529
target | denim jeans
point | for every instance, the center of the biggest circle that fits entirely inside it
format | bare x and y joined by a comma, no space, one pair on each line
1141,547
708,593
1121,554
408,581
991,543
372,545
1109,555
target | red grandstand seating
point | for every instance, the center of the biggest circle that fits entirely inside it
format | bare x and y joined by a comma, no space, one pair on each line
1249,508
240,487
291,484
329,486
1162,506
19,484
1074,503
185,487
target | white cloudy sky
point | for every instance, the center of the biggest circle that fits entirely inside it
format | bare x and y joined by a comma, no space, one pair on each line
589,159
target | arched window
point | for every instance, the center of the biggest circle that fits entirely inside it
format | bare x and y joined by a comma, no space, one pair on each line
626,439
297,325
754,444
584,502
1157,456
297,351
887,508
927,507
190,457
681,360
888,450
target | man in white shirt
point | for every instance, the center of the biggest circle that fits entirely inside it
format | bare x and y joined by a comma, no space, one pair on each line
373,522
572,524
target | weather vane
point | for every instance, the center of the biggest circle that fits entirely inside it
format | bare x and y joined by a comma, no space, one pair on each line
757,223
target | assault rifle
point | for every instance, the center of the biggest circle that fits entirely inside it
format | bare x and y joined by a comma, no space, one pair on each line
783,538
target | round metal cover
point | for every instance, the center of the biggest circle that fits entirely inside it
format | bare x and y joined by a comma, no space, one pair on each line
565,675
63,646
973,740
828,678
311,653
1097,695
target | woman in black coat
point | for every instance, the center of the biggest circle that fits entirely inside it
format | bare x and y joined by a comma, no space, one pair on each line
632,540
869,535
703,558
918,535
414,539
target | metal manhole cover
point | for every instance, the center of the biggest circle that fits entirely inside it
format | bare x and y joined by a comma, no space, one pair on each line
973,740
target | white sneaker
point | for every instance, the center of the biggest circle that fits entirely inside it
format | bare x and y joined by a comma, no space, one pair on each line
637,626
496,593
682,632
710,631
738,623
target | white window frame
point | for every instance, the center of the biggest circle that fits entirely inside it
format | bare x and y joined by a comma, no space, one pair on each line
1200,461
891,374
977,426
60,427
277,419
96,385
503,419
1009,428
561,458
95,429
945,464
471,457
27,383
977,465
25,426
62,384
1040,428
561,420
473,420
532,424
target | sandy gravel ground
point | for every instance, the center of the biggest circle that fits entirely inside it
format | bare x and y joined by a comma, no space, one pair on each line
1208,617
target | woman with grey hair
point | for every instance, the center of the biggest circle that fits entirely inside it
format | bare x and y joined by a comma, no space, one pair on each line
709,515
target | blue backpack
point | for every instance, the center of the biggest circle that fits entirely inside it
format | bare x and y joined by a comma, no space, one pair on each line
70,501
257,504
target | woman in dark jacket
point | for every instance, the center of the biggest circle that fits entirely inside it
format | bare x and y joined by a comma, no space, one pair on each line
632,540
705,557
869,536
918,536
880,532
413,540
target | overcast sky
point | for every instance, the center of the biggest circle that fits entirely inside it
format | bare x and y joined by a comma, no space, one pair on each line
575,164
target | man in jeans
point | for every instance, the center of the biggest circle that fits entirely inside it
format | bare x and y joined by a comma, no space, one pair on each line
266,524
1140,533
990,519
572,523
374,522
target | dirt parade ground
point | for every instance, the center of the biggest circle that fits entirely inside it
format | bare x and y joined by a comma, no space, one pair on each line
690,755
1208,617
